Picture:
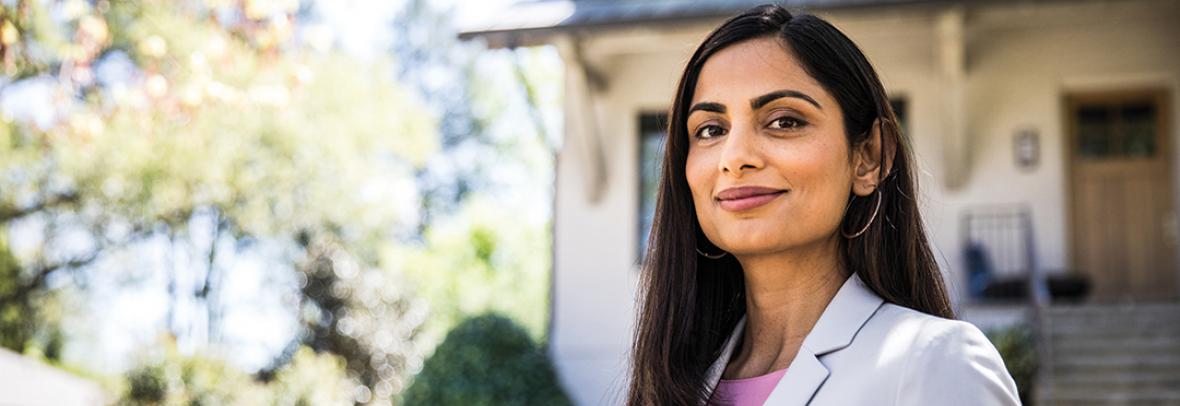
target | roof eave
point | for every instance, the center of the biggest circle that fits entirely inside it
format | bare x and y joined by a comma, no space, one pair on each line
534,36
543,34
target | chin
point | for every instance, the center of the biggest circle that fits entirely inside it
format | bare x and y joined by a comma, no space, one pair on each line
746,241
767,238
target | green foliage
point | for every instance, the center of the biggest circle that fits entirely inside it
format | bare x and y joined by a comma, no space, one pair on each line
28,321
1017,346
147,385
239,120
16,326
313,379
278,144
323,158
365,316
471,259
175,379
487,360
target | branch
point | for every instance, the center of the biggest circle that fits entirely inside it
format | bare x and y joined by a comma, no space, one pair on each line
10,213
41,272
531,98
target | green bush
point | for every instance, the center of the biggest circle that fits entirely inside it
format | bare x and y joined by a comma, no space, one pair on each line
487,360
174,379
1017,346
147,384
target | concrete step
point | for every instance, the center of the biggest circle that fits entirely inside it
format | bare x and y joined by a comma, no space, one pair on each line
1114,355
1164,330
1136,320
1113,365
1108,309
1122,360
1128,321
1099,397
1116,347
1127,381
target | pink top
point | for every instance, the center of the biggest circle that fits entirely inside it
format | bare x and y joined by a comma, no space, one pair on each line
747,391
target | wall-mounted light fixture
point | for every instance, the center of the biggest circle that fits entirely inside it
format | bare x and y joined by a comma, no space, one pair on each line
1027,148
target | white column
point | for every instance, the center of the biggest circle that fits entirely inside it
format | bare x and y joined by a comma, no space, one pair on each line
951,54
581,123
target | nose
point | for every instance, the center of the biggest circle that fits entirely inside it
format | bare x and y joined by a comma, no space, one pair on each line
740,152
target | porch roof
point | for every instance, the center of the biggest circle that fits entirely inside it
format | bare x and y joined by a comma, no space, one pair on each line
531,22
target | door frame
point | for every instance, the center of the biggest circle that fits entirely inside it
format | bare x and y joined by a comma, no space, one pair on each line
1071,99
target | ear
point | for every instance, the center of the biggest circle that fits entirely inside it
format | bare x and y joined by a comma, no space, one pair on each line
872,161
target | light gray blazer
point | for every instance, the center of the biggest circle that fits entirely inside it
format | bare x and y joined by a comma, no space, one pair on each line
863,351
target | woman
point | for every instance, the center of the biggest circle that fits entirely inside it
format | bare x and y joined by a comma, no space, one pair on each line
788,263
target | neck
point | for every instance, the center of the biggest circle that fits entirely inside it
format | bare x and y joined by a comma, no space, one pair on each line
786,292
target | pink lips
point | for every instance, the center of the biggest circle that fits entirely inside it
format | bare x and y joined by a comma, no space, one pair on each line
747,197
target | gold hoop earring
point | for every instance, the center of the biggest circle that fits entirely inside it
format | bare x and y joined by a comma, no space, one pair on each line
712,256
872,217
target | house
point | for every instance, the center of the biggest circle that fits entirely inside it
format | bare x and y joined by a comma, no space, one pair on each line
1046,137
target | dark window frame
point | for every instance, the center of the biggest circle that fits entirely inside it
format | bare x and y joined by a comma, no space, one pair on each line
652,133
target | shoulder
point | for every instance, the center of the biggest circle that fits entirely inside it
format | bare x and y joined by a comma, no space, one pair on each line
943,361
923,329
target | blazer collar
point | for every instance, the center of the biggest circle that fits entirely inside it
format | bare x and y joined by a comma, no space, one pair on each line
848,311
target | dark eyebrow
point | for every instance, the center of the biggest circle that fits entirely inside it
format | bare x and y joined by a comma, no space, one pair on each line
708,106
757,102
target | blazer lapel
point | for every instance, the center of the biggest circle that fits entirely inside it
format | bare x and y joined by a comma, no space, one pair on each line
848,311
803,378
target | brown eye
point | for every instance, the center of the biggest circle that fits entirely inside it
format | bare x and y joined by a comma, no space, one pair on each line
709,131
787,123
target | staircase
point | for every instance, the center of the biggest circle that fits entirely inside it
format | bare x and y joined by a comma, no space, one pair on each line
1114,355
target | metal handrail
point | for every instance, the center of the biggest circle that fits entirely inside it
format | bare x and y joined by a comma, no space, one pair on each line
1039,302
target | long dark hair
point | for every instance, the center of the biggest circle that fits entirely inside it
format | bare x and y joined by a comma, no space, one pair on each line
690,304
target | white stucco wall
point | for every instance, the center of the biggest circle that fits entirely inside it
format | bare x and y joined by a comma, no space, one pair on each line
1022,59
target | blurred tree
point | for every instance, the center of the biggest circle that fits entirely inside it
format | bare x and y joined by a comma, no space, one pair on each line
474,93
360,314
205,124
210,126
312,380
16,322
168,377
465,254
171,378
483,232
482,259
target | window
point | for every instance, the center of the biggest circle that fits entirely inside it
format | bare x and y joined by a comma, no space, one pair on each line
1116,129
651,155
900,110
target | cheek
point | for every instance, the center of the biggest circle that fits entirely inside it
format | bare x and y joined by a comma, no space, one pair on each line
828,174
700,174
821,164
694,172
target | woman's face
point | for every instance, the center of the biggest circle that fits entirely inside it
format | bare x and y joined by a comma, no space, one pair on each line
768,162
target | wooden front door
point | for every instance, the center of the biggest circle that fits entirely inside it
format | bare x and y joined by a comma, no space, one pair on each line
1123,217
